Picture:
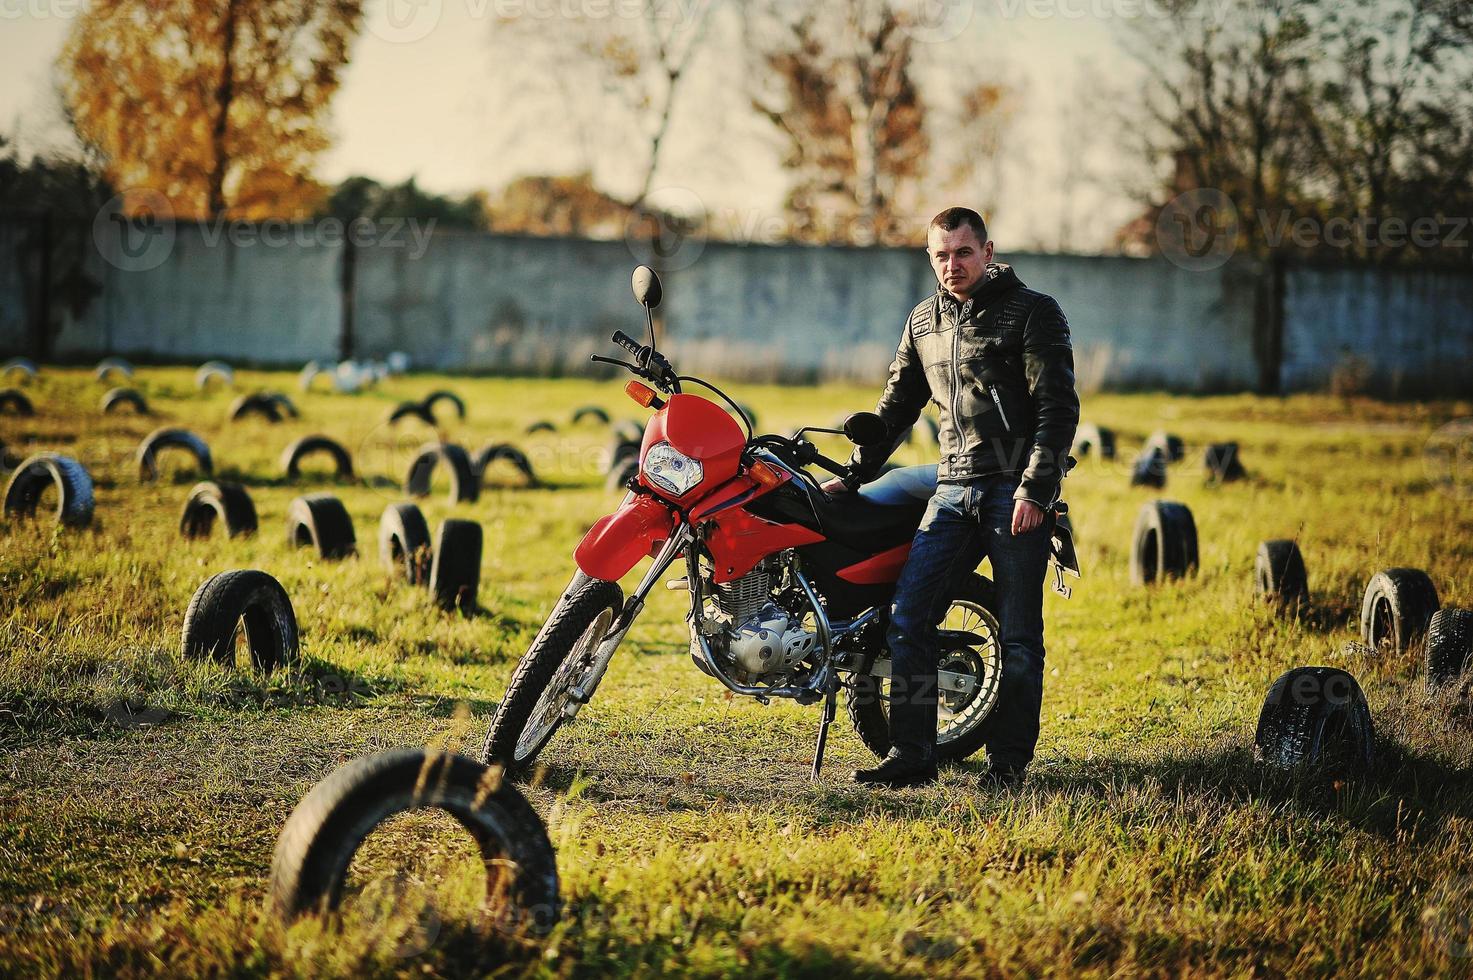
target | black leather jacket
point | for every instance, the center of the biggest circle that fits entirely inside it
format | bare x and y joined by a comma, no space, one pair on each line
1002,377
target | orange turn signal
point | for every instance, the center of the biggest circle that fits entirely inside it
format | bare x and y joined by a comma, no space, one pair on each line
641,393
764,475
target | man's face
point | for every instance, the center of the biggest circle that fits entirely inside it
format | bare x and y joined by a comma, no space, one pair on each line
958,259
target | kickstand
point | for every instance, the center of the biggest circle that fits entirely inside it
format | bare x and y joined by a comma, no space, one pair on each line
829,706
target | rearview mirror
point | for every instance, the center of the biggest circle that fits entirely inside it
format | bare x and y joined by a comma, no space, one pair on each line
647,287
866,429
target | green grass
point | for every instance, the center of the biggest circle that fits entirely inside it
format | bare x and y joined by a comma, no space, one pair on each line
689,837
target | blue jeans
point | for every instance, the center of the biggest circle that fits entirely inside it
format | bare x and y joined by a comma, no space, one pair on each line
964,523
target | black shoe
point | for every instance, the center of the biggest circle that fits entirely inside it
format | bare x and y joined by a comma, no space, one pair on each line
996,778
897,771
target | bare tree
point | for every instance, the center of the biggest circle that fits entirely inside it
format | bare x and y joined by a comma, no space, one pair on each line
606,81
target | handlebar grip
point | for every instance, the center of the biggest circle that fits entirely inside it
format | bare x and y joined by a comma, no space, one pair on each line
626,342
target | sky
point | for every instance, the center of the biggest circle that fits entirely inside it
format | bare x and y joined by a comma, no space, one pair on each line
424,97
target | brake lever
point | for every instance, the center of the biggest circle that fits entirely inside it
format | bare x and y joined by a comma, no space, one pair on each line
614,360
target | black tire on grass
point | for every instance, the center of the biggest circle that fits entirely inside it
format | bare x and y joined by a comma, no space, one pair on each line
14,402
256,404
108,365
1164,544
1315,722
619,477
464,487
590,412
455,574
321,520
292,456
502,450
1150,468
541,425
446,396
116,398
225,601
576,615
171,438
229,502
214,371
283,404
1449,645
1222,462
1398,605
404,543
1171,445
415,410
309,868
1094,439
23,366
1278,573
75,499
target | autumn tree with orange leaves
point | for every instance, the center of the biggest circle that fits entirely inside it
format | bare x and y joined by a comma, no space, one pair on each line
218,106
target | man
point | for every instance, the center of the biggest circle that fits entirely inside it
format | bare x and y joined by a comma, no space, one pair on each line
995,356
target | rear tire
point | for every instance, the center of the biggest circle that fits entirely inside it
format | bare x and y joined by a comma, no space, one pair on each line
871,718
310,866
565,645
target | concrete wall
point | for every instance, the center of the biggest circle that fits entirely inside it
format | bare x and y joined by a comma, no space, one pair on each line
205,298
1410,332
498,303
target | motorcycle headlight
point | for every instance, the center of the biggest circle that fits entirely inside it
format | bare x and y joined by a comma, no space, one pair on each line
670,469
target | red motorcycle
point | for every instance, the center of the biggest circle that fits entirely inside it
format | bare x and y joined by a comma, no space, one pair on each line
790,586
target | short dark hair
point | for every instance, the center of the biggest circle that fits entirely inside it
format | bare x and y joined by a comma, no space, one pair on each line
953,218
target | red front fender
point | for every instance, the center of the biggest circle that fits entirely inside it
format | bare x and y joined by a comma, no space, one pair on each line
617,542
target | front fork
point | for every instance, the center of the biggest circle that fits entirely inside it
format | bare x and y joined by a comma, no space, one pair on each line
582,691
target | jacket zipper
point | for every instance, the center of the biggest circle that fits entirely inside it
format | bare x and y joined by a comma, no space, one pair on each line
956,377
992,390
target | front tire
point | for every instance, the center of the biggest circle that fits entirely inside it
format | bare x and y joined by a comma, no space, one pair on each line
961,718
532,710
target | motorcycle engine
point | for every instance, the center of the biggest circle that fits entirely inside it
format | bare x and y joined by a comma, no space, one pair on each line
758,636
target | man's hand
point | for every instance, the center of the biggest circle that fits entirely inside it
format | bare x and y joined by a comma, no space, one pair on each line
835,485
1026,516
